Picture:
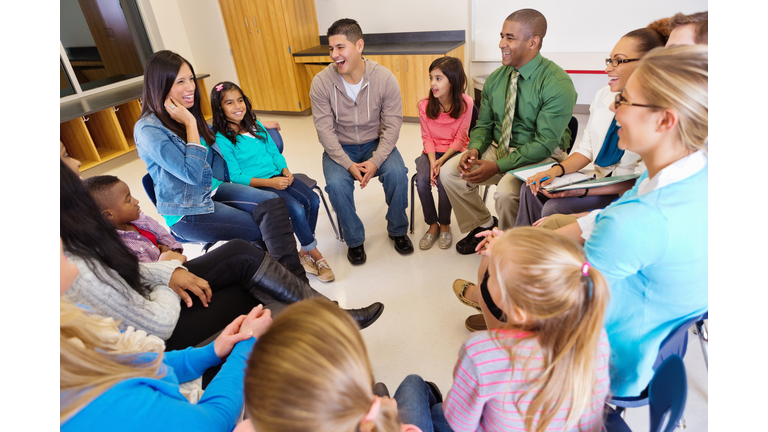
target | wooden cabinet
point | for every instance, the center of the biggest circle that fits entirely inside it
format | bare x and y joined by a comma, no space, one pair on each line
412,73
100,136
263,34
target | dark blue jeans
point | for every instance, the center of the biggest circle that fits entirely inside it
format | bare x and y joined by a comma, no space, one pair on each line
417,406
340,186
232,216
303,204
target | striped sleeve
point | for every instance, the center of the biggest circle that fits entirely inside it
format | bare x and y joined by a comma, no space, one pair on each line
464,404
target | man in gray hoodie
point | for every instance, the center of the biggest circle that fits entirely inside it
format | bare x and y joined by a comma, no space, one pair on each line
358,112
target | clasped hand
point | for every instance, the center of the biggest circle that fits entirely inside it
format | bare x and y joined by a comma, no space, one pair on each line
489,237
474,170
363,172
242,328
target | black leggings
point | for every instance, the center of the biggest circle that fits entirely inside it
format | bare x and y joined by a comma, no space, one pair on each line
228,269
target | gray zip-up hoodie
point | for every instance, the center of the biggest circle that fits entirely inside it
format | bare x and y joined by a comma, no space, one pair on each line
377,113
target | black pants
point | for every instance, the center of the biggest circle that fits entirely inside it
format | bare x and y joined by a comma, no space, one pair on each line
228,269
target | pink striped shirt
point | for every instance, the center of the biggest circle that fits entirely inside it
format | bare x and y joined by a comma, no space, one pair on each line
444,131
486,384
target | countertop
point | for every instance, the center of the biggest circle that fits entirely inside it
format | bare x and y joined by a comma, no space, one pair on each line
408,43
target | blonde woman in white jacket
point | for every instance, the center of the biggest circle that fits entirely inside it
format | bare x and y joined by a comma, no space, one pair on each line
598,149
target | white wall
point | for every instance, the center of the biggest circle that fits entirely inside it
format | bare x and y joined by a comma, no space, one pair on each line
395,16
208,40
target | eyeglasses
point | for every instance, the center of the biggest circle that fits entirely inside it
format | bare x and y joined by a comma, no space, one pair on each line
616,62
620,100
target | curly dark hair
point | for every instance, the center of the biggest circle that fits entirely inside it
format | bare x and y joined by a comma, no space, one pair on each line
87,234
220,122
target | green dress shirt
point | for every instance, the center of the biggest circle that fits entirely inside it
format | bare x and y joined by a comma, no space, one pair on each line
544,106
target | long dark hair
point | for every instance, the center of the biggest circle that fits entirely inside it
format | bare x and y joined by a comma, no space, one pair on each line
220,122
87,234
454,71
159,75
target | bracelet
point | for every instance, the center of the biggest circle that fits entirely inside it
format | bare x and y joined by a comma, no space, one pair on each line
561,167
586,191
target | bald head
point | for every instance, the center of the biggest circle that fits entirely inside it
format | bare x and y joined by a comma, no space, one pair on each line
532,22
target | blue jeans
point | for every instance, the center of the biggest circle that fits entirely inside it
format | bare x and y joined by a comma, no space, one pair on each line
232,216
340,186
417,406
303,204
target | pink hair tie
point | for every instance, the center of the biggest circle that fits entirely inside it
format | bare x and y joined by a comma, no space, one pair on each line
219,87
374,411
585,269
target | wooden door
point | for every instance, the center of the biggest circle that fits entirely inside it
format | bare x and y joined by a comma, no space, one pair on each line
415,81
113,39
240,31
275,55
303,33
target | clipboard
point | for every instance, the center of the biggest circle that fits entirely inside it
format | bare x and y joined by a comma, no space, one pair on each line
577,180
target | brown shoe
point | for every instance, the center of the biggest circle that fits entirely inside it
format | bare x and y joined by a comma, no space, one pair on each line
459,288
308,263
476,323
324,272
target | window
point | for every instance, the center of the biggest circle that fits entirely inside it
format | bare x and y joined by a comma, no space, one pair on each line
105,42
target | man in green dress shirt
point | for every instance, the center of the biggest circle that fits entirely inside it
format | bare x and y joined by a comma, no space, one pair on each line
543,106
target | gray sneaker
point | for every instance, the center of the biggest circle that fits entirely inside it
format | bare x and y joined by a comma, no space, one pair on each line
445,240
427,241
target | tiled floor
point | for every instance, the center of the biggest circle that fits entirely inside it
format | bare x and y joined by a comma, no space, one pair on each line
422,326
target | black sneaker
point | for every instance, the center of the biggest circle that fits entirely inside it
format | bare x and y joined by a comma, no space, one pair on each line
467,245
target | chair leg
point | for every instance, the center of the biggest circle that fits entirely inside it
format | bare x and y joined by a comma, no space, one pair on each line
485,193
681,423
336,231
413,186
701,331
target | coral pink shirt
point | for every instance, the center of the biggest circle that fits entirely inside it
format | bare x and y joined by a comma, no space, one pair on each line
444,131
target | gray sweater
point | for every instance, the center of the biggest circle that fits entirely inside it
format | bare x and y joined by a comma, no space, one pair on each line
378,112
156,316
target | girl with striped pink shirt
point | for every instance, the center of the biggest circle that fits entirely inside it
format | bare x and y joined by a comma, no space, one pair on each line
543,363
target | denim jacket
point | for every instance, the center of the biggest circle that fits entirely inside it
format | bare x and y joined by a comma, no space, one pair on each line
180,171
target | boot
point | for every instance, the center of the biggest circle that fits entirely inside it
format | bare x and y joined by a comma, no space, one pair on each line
366,316
277,234
274,279
282,285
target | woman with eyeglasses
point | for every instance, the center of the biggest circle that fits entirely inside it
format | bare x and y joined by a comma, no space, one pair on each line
651,244
598,142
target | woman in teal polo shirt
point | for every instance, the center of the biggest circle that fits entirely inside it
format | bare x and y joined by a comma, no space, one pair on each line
651,244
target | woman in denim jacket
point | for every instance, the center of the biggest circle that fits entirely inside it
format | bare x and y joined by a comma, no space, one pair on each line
194,194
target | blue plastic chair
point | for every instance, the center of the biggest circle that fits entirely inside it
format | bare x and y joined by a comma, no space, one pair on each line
668,391
675,344
149,188
311,183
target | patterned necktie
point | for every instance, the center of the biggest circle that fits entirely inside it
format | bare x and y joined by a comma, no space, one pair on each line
509,115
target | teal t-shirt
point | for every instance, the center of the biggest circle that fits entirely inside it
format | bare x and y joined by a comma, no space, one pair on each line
215,183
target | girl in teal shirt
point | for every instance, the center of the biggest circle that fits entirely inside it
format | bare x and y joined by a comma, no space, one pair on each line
253,159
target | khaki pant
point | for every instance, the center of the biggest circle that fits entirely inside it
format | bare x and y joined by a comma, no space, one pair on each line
469,207
556,221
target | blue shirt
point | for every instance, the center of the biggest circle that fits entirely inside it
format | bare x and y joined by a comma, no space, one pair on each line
155,404
251,157
652,249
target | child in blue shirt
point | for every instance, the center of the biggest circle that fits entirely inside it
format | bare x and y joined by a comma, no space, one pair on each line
253,159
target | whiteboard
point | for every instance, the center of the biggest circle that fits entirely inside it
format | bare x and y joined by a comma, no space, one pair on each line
587,26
